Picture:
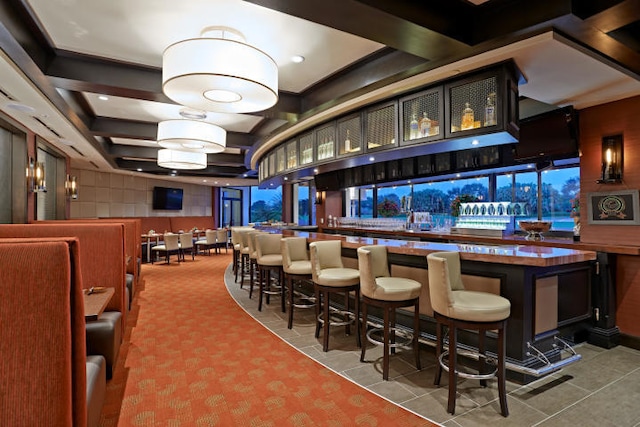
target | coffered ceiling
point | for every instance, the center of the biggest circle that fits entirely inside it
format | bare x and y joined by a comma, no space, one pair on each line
61,58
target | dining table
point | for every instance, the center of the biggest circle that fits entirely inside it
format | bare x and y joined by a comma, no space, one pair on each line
95,301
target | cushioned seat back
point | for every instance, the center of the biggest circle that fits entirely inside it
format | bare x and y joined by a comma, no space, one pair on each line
293,249
325,254
268,244
221,236
253,245
444,277
186,240
210,236
372,263
244,239
171,242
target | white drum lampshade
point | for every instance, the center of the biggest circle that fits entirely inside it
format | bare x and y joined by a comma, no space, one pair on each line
174,159
219,72
191,135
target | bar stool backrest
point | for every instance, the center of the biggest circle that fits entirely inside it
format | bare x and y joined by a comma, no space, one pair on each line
220,236
444,278
293,249
372,263
325,254
268,244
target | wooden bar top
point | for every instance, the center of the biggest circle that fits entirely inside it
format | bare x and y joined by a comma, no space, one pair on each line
520,254
549,241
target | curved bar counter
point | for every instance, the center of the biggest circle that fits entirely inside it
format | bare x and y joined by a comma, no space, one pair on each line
549,289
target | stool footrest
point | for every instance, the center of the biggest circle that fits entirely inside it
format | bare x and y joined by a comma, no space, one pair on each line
334,320
405,341
469,375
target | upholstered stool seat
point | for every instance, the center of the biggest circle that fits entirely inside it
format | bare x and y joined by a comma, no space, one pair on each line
387,293
458,308
270,267
296,266
331,277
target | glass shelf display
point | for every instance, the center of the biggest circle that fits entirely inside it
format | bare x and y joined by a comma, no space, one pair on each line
350,136
421,117
325,142
292,154
306,149
488,218
473,105
380,127
272,164
280,159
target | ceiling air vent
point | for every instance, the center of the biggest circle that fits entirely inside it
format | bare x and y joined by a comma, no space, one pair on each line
94,165
47,126
7,94
77,151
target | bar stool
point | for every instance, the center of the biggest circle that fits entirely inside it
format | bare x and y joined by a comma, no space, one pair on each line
331,277
388,293
236,243
458,308
269,261
297,268
245,250
253,259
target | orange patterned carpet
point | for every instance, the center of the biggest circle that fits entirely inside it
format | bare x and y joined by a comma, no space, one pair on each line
193,357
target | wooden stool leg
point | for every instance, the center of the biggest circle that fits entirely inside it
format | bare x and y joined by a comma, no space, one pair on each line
387,342
283,290
318,309
438,375
392,324
501,374
453,384
357,311
261,274
482,366
289,283
325,316
347,327
416,334
364,330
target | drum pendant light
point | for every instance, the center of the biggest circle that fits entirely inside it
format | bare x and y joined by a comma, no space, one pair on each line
219,72
191,135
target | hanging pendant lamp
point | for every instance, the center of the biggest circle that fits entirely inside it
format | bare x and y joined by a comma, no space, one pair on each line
174,159
219,72
191,135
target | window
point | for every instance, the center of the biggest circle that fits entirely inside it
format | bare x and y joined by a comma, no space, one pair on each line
526,191
390,201
266,205
559,187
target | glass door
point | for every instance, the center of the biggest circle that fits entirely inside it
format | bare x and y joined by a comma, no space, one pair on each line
231,207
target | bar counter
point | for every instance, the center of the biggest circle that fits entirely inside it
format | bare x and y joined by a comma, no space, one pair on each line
549,289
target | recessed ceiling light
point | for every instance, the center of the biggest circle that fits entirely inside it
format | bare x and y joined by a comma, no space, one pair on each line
297,59
457,175
371,159
475,142
286,179
315,171
245,175
139,169
103,97
204,180
215,182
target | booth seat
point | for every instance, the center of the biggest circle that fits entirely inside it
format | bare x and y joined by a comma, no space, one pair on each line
102,263
133,247
43,362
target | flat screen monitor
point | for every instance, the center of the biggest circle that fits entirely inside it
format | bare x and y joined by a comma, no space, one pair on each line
169,199
548,136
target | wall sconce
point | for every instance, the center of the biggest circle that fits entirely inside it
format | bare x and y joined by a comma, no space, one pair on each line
612,160
71,186
36,177
319,197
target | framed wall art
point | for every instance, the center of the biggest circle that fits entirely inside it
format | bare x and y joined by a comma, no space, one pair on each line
613,208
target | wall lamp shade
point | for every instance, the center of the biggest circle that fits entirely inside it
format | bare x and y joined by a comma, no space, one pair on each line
36,177
71,186
216,73
191,135
612,159
174,159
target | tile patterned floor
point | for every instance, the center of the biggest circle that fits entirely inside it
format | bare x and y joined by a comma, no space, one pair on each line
602,389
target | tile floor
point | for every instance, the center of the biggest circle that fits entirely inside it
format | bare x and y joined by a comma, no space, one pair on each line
602,389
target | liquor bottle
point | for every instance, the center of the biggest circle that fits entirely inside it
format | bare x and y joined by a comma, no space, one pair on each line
425,125
347,143
467,117
490,111
413,128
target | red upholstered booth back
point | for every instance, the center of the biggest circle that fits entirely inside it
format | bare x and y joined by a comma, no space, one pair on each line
186,223
101,253
42,334
132,232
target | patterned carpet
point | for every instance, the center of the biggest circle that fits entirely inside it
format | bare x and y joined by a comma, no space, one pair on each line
192,357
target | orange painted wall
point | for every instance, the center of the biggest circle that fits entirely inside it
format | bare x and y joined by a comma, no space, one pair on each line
620,117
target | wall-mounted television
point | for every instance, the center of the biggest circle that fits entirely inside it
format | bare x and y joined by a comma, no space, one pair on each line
548,136
169,199
327,181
